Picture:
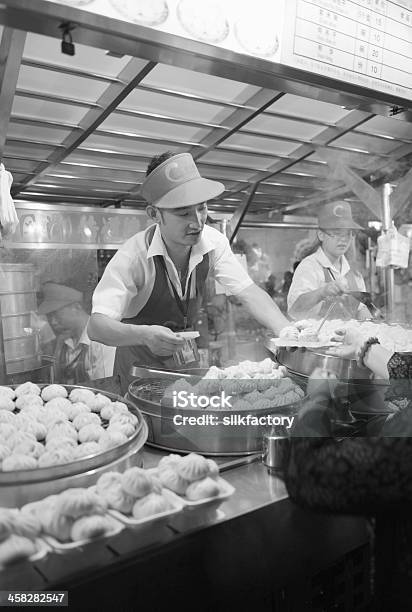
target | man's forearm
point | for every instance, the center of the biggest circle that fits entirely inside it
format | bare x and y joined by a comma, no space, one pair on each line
263,308
108,331
307,301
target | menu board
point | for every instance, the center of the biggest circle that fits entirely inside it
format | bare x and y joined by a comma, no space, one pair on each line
365,42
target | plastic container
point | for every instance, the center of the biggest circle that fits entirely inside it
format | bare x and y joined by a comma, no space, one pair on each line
64,547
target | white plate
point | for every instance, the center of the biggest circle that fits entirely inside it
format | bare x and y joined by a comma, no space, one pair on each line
68,546
129,521
282,343
188,335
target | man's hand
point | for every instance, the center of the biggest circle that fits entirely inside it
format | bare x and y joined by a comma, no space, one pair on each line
161,340
322,384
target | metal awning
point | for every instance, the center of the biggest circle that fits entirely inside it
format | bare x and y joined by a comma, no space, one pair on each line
82,130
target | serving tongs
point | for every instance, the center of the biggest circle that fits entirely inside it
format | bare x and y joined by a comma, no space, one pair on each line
365,298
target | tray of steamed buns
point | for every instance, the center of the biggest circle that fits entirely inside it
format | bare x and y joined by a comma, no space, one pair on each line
20,538
194,478
49,426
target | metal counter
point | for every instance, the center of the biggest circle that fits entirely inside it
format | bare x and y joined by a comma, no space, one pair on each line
258,551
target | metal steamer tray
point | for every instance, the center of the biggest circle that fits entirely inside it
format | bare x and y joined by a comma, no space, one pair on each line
207,439
22,486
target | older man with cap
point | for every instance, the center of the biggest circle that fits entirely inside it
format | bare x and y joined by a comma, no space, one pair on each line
154,285
78,358
326,274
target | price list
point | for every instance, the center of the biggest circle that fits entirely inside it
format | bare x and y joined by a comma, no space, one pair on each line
365,42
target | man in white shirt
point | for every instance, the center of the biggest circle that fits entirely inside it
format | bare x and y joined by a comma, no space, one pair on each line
77,357
326,274
154,285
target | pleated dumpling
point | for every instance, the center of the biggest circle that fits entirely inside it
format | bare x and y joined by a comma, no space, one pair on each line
6,416
28,387
16,548
52,391
90,433
19,462
8,391
56,524
172,480
86,418
6,403
57,456
202,489
80,502
88,527
137,482
111,439
86,449
99,402
26,525
151,504
28,401
82,395
193,467
109,487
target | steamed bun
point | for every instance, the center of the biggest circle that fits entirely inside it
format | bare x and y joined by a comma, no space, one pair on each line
55,523
8,391
6,416
86,418
99,402
111,439
172,480
80,502
57,456
90,433
137,482
5,451
28,400
52,391
86,449
30,448
88,527
28,387
202,489
27,525
6,403
59,403
125,428
59,442
109,487
193,467
82,395
16,548
19,462
151,504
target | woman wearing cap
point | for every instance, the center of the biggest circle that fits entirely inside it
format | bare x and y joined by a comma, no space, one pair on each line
154,285
326,274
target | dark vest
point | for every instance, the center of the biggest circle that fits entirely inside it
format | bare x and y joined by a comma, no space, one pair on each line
160,309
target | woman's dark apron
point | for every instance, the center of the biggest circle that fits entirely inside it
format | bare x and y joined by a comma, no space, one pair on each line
162,308
347,306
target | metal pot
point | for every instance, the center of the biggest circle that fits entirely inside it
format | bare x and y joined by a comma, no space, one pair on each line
16,277
303,361
18,303
212,438
14,325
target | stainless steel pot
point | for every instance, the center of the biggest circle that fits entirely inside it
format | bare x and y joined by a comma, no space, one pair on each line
22,486
22,353
212,438
302,361
16,277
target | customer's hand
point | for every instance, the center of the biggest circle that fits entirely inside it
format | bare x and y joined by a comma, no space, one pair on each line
351,340
322,384
161,340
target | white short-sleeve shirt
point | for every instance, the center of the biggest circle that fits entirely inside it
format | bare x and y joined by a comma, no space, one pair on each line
128,280
310,275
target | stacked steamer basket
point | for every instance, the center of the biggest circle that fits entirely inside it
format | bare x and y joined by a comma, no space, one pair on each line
258,390
17,302
44,450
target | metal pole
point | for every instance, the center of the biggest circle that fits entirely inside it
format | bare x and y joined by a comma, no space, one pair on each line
3,369
389,271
